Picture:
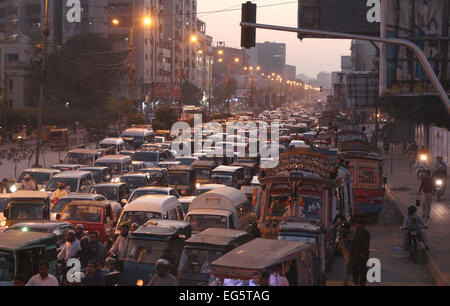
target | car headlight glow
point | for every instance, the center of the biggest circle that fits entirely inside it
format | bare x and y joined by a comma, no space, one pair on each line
13,188
439,182
423,157
197,185
140,283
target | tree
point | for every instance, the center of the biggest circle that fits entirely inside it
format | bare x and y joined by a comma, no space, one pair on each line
223,91
118,111
191,94
84,71
165,117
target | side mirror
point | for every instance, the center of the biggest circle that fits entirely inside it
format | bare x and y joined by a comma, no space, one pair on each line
58,216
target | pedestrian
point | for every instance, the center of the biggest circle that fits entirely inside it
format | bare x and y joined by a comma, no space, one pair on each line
97,247
345,247
4,186
119,246
92,276
85,254
79,231
162,276
28,183
43,278
70,248
427,186
360,253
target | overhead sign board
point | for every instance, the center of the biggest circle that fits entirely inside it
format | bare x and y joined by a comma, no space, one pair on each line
345,16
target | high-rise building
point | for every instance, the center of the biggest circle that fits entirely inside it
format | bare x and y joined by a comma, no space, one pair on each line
290,72
270,56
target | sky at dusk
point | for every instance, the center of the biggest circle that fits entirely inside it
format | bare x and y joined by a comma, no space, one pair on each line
310,56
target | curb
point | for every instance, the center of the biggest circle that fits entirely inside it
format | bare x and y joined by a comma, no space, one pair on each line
431,264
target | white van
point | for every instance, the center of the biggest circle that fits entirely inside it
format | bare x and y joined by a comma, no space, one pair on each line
77,181
224,207
148,207
117,143
298,144
118,164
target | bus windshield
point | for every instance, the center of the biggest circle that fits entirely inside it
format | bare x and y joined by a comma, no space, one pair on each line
201,222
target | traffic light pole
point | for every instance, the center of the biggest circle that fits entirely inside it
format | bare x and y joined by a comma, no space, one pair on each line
393,41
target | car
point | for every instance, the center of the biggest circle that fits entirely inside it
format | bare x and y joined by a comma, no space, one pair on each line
112,191
153,190
152,157
156,173
66,167
100,173
77,181
59,206
40,175
136,180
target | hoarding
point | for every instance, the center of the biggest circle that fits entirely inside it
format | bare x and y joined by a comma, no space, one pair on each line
426,23
345,16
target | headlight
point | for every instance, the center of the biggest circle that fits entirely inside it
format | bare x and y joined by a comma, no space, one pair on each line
13,188
3,223
439,182
115,180
197,185
42,190
423,157
140,283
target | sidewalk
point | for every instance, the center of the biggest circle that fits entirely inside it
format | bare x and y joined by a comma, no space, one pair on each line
401,189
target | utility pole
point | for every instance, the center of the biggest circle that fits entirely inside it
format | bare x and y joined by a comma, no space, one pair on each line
131,65
45,34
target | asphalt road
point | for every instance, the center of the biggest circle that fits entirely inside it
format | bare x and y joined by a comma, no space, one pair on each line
397,269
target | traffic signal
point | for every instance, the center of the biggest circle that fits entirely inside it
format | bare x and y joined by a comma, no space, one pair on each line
248,35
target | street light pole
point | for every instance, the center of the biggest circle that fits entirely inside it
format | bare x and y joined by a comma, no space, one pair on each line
131,64
45,33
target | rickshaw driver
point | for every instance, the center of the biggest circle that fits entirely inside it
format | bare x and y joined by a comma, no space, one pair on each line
119,246
58,193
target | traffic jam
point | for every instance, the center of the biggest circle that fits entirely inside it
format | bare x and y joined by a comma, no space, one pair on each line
134,212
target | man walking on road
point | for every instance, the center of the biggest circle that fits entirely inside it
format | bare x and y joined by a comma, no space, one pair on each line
427,186
360,253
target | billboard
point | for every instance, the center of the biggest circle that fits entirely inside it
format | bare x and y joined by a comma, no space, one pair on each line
346,16
426,23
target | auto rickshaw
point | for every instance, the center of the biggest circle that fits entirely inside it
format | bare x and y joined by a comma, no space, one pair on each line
20,254
96,216
19,133
203,169
27,206
312,233
154,240
46,130
202,249
253,262
183,179
59,138
250,170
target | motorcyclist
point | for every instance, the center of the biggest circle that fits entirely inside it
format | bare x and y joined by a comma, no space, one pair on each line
440,168
413,222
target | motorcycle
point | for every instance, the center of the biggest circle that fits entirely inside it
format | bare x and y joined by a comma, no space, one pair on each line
421,166
416,245
440,184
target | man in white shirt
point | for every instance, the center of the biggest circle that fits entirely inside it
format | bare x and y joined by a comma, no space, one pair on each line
43,278
119,246
70,248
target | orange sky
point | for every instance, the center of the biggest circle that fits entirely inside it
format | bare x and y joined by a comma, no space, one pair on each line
310,56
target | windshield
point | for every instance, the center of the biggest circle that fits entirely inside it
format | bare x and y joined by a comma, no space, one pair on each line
71,183
145,156
226,180
198,260
203,174
110,193
6,267
116,168
146,251
138,217
201,222
79,158
26,212
107,145
178,179
309,240
139,193
83,213
61,204
39,178
134,182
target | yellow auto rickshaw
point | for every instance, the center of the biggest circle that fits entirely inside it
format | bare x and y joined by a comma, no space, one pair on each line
46,130
59,138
